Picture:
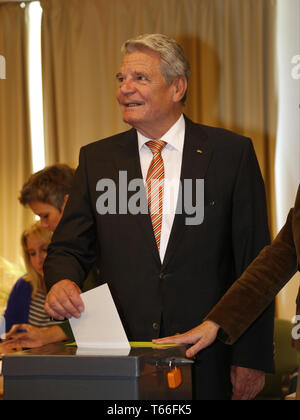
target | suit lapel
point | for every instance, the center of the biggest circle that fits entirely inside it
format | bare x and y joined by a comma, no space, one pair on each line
197,153
128,155
128,160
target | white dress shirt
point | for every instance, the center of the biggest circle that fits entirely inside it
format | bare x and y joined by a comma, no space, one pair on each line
172,157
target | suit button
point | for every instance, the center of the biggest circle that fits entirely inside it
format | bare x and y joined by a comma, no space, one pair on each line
161,276
212,203
155,326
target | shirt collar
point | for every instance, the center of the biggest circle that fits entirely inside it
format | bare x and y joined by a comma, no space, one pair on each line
174,137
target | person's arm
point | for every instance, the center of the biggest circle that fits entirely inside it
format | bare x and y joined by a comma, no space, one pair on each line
17,308
253,292
71,253
31,336
248,297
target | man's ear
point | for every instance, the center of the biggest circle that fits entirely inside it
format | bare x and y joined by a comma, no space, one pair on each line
64,202
180,87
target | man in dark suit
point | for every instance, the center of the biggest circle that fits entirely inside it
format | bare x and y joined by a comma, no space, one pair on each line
166,268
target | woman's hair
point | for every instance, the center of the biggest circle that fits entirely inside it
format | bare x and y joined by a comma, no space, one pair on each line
50,185
33,277
174,62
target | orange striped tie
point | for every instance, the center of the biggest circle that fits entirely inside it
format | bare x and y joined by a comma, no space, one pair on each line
155,186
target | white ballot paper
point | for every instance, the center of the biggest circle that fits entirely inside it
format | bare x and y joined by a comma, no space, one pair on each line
99,326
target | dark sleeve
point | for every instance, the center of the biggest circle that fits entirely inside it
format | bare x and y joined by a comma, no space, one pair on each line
251,294
17,309
71,253
250,234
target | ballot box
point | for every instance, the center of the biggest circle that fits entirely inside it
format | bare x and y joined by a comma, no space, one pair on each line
57,371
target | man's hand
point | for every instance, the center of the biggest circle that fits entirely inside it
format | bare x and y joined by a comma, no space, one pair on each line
202,336
64,301
25,335
246,383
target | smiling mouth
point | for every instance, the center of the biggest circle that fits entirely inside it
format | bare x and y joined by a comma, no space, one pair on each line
132,105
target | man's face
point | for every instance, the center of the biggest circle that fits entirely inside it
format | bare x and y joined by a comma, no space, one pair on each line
147,102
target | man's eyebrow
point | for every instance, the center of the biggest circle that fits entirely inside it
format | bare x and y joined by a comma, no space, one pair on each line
136,73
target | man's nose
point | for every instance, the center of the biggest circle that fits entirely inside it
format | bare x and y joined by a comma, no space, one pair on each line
44,223
127,86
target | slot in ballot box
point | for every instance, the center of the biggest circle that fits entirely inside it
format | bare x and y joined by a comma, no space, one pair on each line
57,371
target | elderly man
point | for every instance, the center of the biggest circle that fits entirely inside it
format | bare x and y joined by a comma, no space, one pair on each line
166,267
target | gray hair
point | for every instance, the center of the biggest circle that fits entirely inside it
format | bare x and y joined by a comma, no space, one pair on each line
174,62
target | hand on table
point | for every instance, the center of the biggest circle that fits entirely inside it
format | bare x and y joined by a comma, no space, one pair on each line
5,348
25,335
246,383
201,336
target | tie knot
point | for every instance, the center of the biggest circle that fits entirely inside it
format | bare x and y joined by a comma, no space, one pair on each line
156,146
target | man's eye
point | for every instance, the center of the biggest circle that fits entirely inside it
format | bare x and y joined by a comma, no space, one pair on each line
142,78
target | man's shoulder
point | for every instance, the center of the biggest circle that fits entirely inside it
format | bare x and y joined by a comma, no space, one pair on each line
218,136
110,142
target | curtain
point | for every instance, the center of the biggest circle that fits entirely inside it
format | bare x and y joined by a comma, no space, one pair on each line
230,45
15,154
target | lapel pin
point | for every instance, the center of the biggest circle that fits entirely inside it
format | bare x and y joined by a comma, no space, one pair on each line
199,151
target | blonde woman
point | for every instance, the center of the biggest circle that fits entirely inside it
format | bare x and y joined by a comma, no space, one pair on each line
25,308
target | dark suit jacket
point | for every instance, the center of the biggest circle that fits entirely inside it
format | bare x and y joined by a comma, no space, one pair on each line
201,262
261,282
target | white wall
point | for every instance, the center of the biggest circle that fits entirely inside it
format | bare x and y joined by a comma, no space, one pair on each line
287,165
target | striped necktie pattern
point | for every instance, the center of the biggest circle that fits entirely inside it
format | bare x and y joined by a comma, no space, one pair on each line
155,186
